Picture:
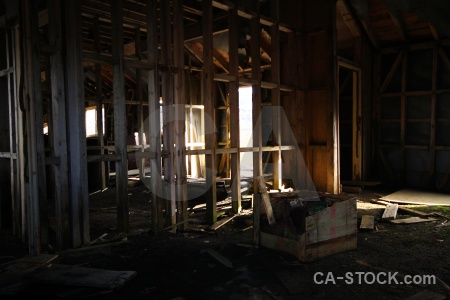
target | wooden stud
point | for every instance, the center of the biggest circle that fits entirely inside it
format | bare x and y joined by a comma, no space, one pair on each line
209,103
403,117
154,116
168,113
234,112
76,133
120,140
99,103
276,101
256,96
138,97
58,118
180,117
36,204
432,163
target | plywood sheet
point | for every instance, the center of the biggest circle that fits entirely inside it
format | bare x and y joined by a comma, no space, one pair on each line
418,197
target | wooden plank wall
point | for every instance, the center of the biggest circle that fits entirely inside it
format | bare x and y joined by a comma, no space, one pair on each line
321,111
413,101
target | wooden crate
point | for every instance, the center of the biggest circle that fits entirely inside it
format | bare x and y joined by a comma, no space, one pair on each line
325,225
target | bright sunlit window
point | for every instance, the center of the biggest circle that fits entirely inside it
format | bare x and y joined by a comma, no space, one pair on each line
91,121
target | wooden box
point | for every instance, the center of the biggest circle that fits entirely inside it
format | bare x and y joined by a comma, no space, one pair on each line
306,224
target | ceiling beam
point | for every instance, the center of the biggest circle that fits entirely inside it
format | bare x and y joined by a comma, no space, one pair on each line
349,18
398,25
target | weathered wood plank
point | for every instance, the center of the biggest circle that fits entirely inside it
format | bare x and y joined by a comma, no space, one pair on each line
266,200
154,115
209,103
120,125
390,212
234,111
58,110
180,117
76,132
367,222
412,220
221,222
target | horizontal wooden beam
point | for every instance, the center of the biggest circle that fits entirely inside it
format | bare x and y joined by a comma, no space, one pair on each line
108,59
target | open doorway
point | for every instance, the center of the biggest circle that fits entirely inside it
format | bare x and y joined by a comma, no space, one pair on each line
350,135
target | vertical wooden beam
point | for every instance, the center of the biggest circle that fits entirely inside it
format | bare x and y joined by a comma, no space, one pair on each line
14,111
154,115
276,96
180,116
120,140
20,132
138,97
356,127
432,166
333,176
76,131
234,111
256,96
99,96
403,117
168,113
209,103
37,225
58,118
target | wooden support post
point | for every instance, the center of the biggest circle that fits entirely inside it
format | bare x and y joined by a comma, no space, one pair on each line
16,183
180,116
36,205
154,116
256,218
99,96
168,113
234,111
276,101
76,131
432,163
58,119
403,118
256,96
138,97
209,103
120,140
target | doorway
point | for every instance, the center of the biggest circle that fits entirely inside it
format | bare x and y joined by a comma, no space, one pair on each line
350,133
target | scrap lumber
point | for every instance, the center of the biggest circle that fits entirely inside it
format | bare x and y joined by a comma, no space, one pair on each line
367,222
266,200
412,220
406,210
68,275
390,212
12,274
221,222
220,258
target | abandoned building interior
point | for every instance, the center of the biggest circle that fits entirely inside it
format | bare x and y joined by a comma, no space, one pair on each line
204,101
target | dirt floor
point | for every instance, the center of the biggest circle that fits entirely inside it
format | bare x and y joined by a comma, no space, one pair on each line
223,264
